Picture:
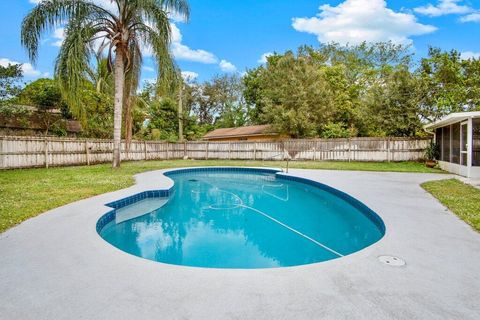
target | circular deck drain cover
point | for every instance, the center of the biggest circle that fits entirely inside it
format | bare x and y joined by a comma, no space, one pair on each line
392,261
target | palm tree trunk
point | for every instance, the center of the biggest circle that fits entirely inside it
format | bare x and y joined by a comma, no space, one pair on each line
118,106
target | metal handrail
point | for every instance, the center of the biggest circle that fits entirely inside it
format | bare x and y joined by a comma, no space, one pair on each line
287,159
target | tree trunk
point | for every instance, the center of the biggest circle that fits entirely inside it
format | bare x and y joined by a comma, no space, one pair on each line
118,107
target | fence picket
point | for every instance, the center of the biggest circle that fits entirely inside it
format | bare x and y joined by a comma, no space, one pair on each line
24,152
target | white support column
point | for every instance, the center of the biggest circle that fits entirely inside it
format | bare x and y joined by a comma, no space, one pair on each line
441,146
469,146
450,156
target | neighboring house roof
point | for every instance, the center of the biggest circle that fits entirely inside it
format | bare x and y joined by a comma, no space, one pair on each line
248,131
452,118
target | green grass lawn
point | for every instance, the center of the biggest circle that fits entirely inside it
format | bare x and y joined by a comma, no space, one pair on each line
460,198
25,193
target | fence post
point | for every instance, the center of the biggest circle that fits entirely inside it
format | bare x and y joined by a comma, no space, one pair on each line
206,151
254,151
168,156
87,152
229,151
349,150
46,153
391,150
2,153
388,149
185,150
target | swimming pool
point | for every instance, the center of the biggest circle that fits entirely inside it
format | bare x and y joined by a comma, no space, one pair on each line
240,218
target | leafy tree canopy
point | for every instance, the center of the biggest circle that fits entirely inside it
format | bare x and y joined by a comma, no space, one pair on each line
10,76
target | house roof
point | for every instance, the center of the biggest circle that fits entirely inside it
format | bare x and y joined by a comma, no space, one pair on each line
452,118
247,131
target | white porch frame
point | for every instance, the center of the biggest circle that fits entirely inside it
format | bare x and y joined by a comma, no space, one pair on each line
467,170
469,147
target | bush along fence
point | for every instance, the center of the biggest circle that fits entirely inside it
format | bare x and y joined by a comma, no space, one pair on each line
26,152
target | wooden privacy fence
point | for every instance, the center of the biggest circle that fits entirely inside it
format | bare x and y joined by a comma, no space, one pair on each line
25,152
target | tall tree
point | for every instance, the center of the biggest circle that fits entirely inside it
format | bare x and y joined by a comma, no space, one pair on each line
393,105
336,91
9,81
443,84
121,31
45,95
220,101
295,95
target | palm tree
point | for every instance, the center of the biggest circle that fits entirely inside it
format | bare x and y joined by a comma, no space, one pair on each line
121,31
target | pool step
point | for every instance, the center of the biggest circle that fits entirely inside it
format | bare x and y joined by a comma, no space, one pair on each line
139,208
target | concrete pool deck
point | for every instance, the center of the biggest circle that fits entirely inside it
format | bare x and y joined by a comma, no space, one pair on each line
56,266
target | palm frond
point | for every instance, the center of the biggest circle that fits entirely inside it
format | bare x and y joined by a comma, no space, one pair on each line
49,14
72,64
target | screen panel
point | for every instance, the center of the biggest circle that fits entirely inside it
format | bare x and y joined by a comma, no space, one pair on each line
446,144
476,143
455,143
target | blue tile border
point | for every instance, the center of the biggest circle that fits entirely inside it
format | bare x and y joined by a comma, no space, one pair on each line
140,196
221,169
104,220
110,216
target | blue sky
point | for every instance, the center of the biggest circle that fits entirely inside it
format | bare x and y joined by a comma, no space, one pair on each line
231,36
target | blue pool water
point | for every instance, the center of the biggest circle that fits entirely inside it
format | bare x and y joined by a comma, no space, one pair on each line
242,219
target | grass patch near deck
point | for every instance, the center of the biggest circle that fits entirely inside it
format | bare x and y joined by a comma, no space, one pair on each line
25,193
462,199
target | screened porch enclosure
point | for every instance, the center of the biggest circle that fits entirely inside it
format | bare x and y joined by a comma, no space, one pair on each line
458,137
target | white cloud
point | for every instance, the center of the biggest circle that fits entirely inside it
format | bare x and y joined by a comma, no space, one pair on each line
175,33
263,58
226,66
189,75
443,7
473,17
148,69
59,35
355,21
470,55
183,52
27,68
176,17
